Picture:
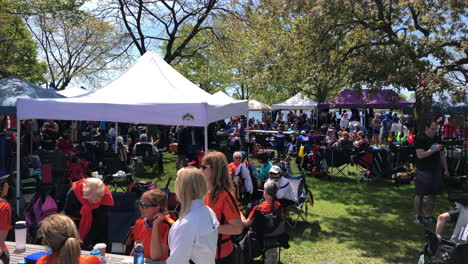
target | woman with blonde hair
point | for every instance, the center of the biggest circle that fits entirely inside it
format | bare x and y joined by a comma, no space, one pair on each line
222,201
153,227
59,233
87,203
193,237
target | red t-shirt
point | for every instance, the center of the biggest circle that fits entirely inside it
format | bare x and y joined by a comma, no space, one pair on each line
141,232
227,207
5,217
264,208
52,259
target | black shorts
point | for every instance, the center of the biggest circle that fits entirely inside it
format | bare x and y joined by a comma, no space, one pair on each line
5,257
454,215
429,182
376,131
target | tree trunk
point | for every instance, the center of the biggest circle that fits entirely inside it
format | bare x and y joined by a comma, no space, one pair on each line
422,110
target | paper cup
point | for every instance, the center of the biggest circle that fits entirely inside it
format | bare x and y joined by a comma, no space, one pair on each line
101,247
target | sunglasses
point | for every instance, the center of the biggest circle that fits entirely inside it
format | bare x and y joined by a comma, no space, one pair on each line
204,167
144,206
237,157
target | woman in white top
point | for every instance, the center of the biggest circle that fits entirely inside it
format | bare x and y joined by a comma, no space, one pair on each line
193,237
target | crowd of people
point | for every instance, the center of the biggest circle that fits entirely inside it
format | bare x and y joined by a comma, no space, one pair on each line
201,233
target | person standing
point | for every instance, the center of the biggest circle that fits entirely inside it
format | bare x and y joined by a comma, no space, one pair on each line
192,238
222,201
431,166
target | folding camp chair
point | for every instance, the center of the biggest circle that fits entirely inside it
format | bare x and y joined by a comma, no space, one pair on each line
299,209
122,216
335,160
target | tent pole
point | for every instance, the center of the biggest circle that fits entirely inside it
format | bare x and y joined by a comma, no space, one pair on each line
116,135
248,137
206,139
18,170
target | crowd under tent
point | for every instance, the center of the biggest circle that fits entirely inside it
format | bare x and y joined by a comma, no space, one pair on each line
150,92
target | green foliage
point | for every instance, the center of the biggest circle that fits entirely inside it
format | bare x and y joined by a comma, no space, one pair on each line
18,52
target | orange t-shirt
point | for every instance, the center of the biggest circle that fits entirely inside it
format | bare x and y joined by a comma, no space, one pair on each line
141,232
5,217
52,259
224,206
264,208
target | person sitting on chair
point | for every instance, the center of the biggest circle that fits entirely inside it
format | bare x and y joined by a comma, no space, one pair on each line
153,209
60,235
444,219
270,189
240,174
87,203
5,226
285,192
262,174
144,140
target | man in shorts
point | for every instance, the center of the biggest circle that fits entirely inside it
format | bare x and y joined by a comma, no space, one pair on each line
431,166
443,219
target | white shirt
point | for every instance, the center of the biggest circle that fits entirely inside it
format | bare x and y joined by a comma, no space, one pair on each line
344,123
285,190
244,172
194,237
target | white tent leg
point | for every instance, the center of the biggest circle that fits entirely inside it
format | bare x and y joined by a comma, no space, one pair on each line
206,139
18,165
116,135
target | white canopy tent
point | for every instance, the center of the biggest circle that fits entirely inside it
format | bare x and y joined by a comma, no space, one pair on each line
297,102
73,91
255,105
150,92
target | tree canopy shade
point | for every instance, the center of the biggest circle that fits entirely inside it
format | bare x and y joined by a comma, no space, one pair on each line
18,52
12,88
383,99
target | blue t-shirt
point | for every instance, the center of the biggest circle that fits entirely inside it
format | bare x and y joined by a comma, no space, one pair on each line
387,124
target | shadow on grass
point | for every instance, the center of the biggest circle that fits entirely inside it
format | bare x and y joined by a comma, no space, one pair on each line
378,219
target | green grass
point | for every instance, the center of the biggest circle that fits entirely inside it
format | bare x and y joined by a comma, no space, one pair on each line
350,222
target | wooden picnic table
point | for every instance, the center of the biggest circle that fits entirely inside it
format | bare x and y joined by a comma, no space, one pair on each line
16,256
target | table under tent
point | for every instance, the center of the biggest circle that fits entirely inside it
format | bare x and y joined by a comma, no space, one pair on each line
150,92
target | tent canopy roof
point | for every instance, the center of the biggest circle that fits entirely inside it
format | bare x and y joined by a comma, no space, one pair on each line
385,99
12,88
73,91
296,102
255,105
150,92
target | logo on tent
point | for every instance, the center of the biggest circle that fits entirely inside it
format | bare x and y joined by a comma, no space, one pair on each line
188,117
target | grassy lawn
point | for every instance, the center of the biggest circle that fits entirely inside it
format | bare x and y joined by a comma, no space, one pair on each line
351,222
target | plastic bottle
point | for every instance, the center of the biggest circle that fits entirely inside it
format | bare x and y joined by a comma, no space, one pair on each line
138,253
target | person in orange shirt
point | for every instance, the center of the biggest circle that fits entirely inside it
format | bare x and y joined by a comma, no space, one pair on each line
269,195
61,236
5,225
153,208
222,201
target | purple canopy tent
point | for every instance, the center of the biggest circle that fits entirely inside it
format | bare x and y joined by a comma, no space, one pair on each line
383,99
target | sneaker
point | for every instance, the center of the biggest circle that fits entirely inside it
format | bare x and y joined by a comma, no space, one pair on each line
418,220
429,220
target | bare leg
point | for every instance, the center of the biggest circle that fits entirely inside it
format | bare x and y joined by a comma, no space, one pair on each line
430,204
418,202
442,221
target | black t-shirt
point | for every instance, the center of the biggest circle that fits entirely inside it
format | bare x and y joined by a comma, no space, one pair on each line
424,142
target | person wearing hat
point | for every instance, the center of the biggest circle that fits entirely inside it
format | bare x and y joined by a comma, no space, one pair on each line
285,194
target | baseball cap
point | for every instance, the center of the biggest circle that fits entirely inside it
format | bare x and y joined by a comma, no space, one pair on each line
275,169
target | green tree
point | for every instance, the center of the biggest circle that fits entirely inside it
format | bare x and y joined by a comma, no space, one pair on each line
419,45
18,52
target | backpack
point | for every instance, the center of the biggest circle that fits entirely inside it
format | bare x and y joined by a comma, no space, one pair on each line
39,208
